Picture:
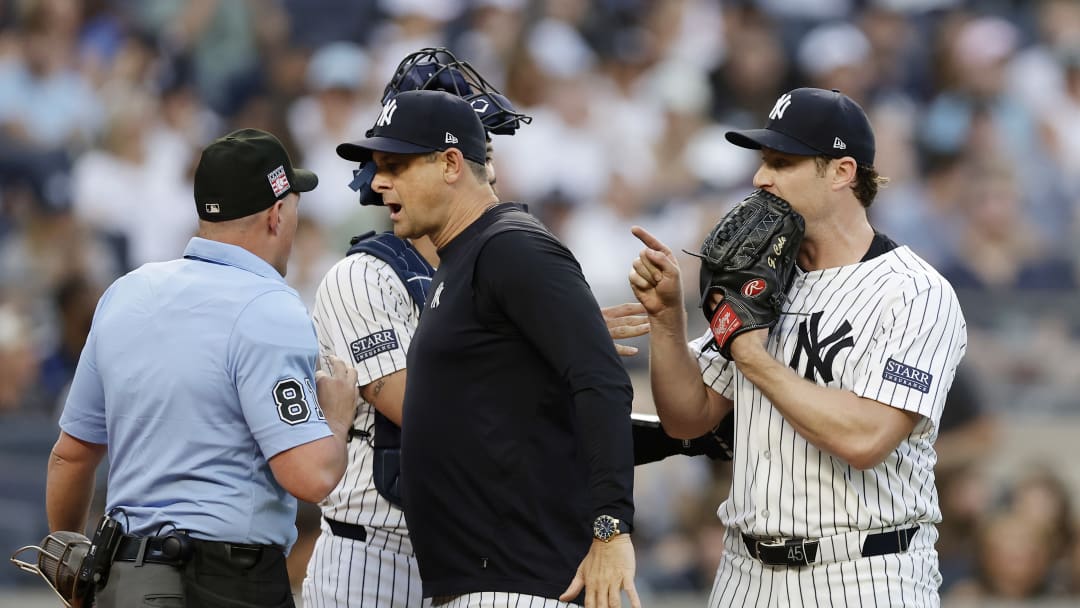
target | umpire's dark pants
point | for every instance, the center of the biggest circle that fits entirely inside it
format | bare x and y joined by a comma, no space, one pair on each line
218,575
148,585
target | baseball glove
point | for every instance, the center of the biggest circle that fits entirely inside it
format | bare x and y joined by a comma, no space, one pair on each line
749,257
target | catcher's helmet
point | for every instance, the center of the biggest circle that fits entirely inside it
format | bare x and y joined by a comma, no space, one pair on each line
438,69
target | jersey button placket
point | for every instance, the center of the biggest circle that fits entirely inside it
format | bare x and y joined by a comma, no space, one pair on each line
765,466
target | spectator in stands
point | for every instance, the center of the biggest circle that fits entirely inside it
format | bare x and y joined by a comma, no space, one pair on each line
1014,558
44,101
20,392
998,246
74,302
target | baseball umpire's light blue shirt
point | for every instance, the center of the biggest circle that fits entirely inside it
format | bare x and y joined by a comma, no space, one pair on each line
195,373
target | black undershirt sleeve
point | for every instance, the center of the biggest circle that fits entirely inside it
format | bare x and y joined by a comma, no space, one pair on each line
540,288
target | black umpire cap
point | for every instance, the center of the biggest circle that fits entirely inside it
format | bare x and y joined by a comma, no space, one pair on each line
813,122
415,122
243,173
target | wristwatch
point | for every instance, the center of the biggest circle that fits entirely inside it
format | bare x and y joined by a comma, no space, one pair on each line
606,527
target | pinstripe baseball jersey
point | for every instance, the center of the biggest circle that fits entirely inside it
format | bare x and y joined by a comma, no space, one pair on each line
364,314
498,599
888,328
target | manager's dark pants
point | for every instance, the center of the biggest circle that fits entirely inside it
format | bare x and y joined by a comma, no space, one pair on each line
218,575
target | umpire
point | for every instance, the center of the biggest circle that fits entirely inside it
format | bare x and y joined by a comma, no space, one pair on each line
198,378
517,461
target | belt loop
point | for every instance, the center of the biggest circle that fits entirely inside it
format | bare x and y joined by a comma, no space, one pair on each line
142,551
904,536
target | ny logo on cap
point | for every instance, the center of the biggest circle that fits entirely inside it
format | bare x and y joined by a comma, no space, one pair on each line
450,139
387,113
780,107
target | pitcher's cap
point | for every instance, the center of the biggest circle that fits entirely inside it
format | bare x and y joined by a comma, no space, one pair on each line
813,122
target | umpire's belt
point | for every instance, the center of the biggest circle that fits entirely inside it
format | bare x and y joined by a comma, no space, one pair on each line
350,531
172,550
804,552
177,548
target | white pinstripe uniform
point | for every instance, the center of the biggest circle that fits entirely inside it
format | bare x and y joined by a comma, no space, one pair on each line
362,296
889,329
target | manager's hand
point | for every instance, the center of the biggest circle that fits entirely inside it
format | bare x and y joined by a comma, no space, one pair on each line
606,571
626,321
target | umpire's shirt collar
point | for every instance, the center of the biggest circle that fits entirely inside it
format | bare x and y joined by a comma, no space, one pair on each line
225,254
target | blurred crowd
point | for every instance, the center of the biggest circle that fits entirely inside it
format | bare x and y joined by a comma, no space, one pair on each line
105,104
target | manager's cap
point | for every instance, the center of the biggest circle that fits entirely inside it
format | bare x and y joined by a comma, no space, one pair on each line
813,122
420,121
243,173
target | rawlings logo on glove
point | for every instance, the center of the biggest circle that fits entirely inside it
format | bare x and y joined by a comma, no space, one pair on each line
749,258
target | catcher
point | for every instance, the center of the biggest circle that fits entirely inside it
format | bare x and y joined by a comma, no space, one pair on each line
836,369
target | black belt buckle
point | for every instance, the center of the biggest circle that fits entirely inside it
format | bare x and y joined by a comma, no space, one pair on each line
783,551
173,549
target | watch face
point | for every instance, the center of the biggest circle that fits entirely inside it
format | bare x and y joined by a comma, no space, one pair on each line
605,527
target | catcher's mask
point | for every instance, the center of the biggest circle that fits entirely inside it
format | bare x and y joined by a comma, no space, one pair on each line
60,558
436,68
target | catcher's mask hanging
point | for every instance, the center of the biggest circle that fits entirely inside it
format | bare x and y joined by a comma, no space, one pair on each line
60,557
438,69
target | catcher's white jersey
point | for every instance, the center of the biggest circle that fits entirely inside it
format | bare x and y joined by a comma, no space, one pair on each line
890,329
364,314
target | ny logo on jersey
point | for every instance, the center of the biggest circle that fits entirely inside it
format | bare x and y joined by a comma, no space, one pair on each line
780,107
814,346
387,113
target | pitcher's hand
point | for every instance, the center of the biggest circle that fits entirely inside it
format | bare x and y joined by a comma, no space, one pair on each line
655,277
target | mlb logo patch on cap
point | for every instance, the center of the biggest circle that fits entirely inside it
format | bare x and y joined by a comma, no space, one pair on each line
213,208
278,181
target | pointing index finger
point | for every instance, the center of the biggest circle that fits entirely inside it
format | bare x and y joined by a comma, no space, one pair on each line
649,240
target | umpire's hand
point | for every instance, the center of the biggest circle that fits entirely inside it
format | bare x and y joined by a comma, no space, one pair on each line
607,569
338,392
